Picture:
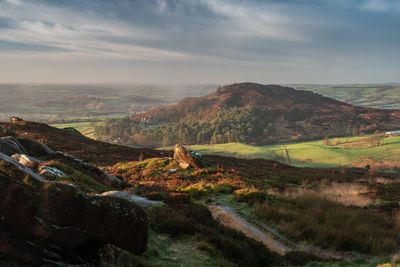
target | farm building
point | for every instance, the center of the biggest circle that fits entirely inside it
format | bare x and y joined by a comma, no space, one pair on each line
393,132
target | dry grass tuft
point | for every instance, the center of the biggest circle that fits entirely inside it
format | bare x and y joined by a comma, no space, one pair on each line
329,224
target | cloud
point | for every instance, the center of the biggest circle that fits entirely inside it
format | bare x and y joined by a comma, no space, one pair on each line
138,29
251,36
381,5
257,20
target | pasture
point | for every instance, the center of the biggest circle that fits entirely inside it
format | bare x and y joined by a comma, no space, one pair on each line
336,152
86,128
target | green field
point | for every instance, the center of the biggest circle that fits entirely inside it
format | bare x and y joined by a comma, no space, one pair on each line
86,128
352,151
384,96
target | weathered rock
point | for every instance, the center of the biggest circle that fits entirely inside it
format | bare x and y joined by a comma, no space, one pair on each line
141,201
36,149
27,253
26,160
196,154
100,176
61,220
10,146
51,172
6,132
185,158
72,130
15,119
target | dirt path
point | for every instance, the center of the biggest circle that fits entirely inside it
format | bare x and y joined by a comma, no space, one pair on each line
267,235
230,219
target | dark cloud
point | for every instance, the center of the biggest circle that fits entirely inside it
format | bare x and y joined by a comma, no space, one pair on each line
254,34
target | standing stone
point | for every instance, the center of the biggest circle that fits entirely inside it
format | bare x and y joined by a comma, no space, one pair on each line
185,158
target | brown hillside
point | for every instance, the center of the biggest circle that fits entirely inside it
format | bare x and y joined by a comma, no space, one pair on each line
272,97
296,114
97,152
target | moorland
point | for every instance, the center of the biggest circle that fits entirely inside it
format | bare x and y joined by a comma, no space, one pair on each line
299,180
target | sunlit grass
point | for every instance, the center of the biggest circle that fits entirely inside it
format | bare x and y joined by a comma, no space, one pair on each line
86,128
352,151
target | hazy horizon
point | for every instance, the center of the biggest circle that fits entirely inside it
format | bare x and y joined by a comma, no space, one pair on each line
166,84
199,42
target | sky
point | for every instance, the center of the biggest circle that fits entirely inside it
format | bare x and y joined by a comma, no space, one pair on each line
199,41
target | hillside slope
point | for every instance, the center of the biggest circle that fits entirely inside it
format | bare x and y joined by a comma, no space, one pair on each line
97,152
183,230
250,113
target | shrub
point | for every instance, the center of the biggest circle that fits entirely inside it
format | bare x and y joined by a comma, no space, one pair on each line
249,196
200,189
332,225
183,217
299,258
177,199
225,189
156,195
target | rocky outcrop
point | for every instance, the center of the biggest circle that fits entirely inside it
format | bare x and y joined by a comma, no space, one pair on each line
15,119
141,201
73,131
100,176
26,160
36,149
10,146
185,158
6,132
44,221
51,172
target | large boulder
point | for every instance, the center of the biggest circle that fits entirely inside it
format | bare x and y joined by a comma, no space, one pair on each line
6,132
42,221
99,175
185,158
141,201
10,146
36,149
26,160
51,173
24,252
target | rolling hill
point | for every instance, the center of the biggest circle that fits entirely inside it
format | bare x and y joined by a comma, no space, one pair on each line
250,113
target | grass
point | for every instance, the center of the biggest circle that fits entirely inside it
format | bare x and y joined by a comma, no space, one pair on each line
329,224
82,180
362,95
358,261
165,251
350,151
85,125
181,217
164,175
86,128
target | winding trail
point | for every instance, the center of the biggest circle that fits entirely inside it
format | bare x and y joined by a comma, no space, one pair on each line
268,235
